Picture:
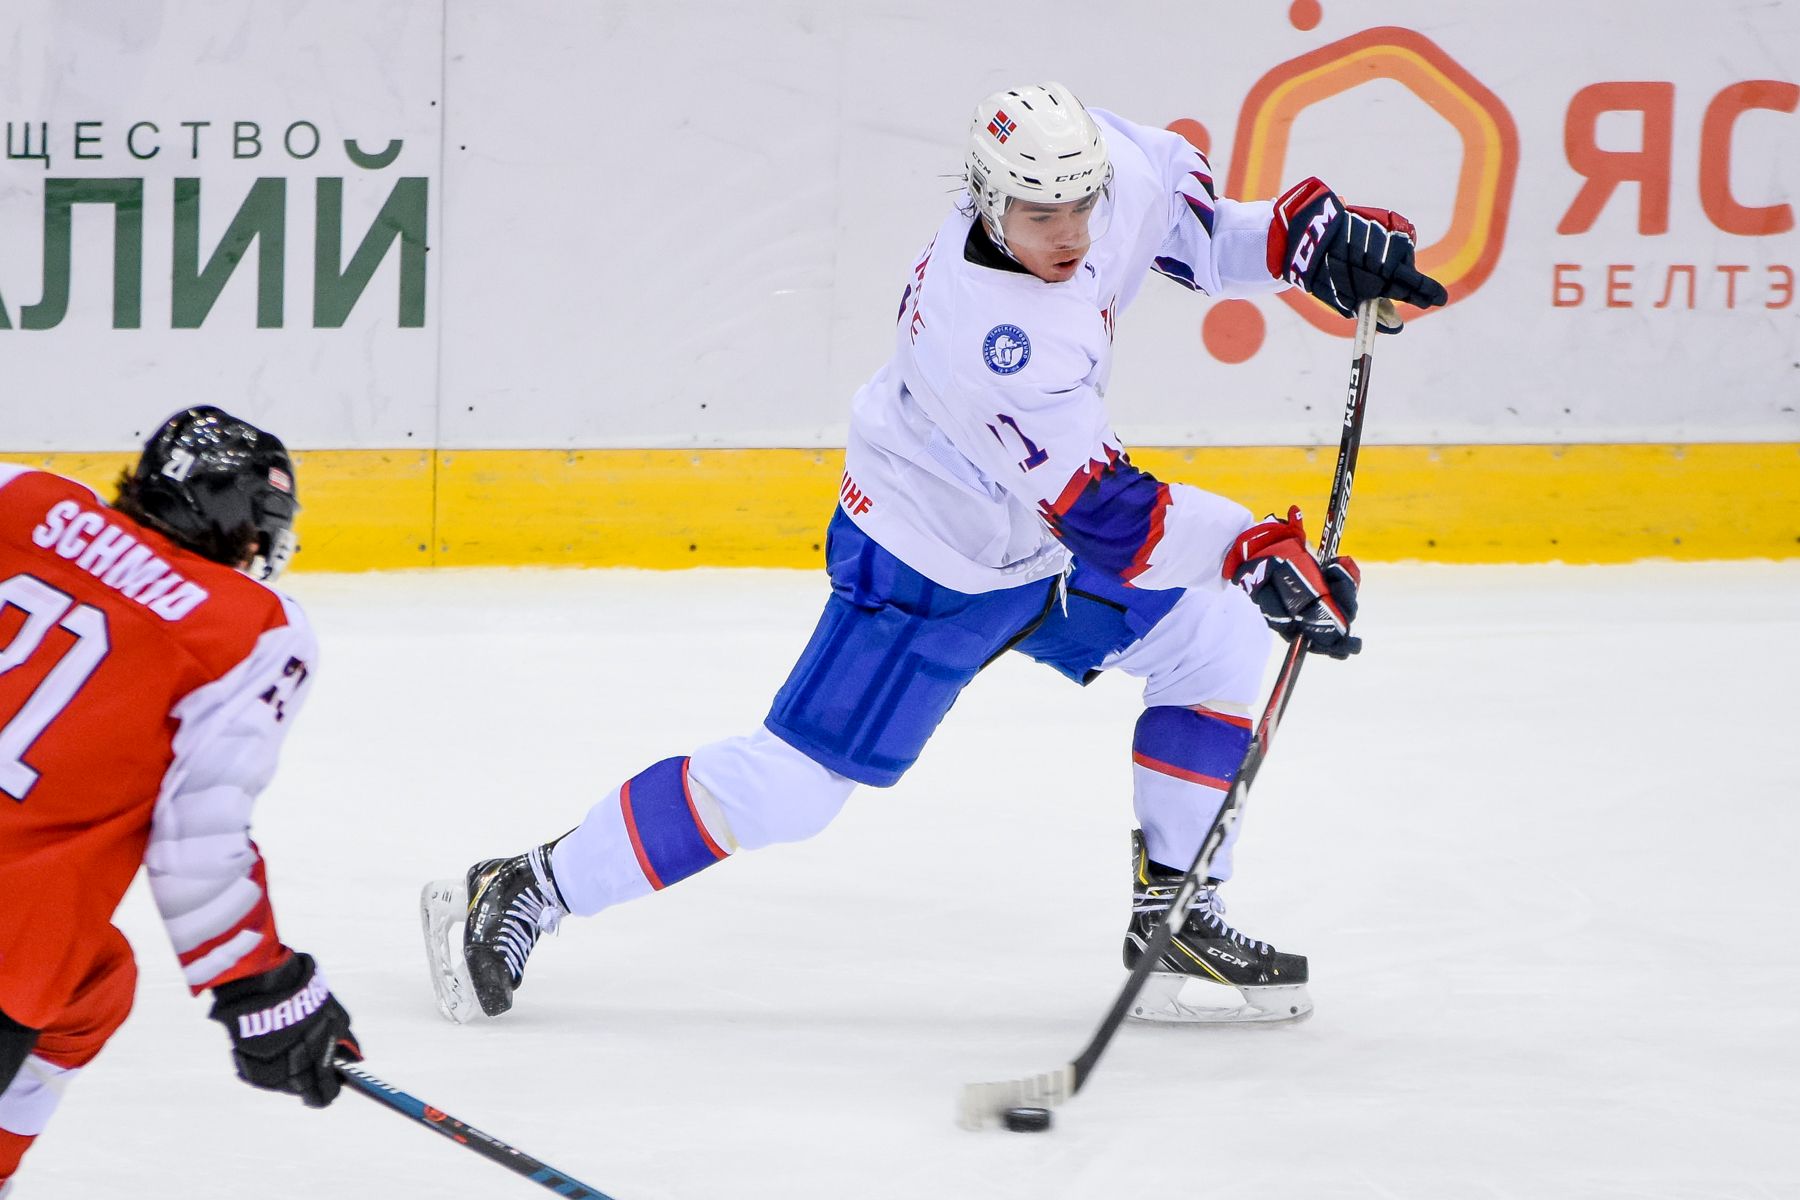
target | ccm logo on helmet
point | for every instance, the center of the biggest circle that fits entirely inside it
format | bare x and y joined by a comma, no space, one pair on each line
1075,176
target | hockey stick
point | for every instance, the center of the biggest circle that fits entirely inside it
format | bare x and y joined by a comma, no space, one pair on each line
484,1144
983,1102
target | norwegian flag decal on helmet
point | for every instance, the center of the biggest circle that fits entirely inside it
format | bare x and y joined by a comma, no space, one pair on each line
1001,126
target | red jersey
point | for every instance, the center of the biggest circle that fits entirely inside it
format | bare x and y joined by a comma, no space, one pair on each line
144,695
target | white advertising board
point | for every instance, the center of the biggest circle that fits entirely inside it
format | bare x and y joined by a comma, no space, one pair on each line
641,224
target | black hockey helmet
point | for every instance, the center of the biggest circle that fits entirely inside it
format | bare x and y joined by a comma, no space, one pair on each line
219,486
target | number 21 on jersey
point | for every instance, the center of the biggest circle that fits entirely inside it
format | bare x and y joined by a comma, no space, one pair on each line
45,609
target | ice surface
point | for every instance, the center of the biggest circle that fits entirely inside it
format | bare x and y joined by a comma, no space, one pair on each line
1538,841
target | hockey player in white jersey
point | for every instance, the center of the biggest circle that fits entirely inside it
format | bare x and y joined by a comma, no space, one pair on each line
986,506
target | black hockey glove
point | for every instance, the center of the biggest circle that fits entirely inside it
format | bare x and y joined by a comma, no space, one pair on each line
1298,596
1344,255
285,1028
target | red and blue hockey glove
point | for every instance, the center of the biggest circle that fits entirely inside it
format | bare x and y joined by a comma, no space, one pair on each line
1298,596
285,1028
1344,254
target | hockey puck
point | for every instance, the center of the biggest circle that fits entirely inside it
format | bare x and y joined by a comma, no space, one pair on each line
1026,1120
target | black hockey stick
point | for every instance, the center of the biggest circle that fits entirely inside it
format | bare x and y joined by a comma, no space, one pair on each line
462,1134
984,1102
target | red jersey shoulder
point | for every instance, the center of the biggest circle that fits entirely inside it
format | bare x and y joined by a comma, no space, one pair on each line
60,532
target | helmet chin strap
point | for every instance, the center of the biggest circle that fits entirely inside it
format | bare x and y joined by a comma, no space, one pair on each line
992,229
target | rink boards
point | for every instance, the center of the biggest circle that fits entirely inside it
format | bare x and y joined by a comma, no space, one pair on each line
382,509
532,291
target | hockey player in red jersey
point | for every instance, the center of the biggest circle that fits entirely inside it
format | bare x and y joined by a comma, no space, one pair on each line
987,507
147,679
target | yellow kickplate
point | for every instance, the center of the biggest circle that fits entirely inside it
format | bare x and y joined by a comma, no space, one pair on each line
377,509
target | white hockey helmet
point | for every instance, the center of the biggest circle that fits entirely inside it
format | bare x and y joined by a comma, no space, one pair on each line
1033,143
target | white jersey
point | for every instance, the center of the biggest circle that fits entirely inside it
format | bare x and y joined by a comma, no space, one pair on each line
974,449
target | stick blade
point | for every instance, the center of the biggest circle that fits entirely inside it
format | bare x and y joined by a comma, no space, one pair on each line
982,1103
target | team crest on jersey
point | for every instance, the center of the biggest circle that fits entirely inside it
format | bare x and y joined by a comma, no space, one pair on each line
1006,349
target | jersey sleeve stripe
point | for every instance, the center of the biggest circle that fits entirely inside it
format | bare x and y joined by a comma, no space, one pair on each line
1200,209
260,922
204,970
1173,268
219,914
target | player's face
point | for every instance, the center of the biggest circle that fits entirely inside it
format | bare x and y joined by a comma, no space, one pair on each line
1050,240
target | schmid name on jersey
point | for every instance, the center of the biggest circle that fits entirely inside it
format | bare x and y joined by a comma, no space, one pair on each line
118,560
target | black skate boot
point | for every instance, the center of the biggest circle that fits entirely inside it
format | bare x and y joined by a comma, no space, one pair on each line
480,930
1211,973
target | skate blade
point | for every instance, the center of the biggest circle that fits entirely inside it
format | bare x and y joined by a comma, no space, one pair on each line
1171,999
443,910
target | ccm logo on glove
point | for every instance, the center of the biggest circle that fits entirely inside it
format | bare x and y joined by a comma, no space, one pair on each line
1345,254
1306,242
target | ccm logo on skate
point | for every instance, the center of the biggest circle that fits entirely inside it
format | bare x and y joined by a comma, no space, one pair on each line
1232,959
295,1009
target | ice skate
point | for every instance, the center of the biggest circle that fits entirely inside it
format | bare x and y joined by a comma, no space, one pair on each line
443,909
1211,973
479,931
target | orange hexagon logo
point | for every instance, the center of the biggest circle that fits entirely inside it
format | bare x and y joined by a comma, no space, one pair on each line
1464,256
